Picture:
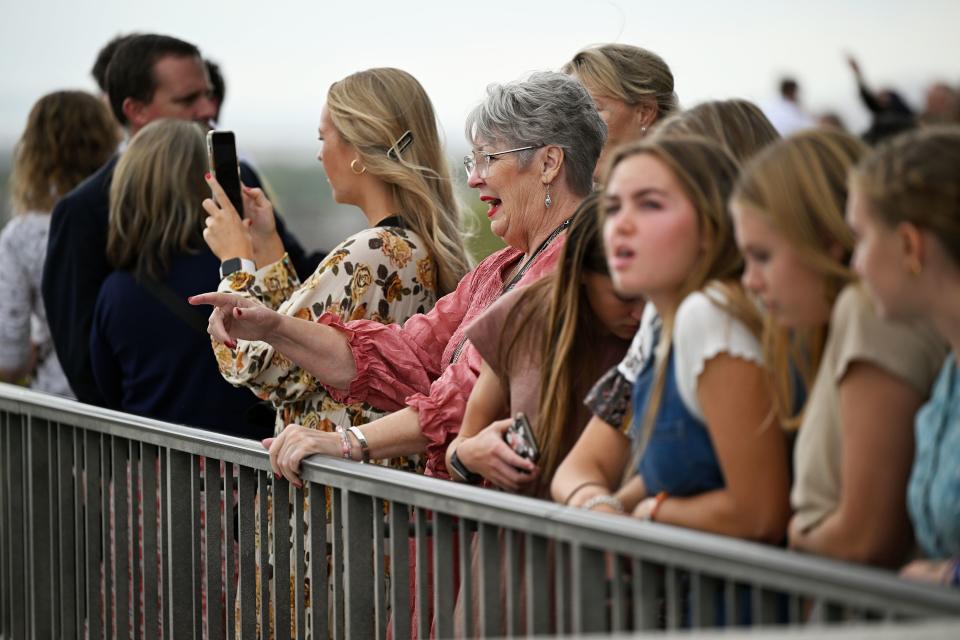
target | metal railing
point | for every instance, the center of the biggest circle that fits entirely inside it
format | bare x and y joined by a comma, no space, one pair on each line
89,498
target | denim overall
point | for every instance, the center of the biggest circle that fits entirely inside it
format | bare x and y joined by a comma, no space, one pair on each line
679,457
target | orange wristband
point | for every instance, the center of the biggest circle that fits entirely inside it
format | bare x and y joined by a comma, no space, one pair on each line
657,501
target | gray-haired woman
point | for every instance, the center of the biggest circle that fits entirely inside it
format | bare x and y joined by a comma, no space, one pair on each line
535,146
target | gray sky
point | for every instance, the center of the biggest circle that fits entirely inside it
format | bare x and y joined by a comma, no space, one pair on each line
279,57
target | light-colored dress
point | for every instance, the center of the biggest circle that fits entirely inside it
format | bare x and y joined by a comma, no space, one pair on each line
23,321
381,274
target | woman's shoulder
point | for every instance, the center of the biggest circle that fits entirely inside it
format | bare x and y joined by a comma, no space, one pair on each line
26,233
912,351
706,311
380,248
705,326
501,320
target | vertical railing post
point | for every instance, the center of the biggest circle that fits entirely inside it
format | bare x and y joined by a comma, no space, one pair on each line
40,537
17,531
247,502
121,528
178,549
93,532
358,566
444,590
589,590
400,569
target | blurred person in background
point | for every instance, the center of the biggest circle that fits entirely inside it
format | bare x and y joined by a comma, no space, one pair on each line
737,125
904,208
145,338
786,112
631,86
890,113
865,377
942,105
218,87
99,69
148,77
69,135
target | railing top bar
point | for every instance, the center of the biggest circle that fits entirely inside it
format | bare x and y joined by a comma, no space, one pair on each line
117,423
658,542
621,534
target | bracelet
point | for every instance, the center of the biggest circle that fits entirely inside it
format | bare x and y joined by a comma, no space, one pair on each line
608,501
462,471
657,501
364,447
589,483
345,447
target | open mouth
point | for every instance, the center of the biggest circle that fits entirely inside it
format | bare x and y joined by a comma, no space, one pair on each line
620,257
493,204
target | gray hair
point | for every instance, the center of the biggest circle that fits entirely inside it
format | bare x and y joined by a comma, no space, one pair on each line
548,108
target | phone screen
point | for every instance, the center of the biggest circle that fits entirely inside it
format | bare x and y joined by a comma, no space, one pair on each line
222,151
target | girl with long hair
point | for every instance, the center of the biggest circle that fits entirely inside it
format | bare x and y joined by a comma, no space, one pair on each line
543,346
904,208
696,455
865,377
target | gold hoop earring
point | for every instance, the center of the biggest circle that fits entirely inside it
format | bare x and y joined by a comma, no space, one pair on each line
356,163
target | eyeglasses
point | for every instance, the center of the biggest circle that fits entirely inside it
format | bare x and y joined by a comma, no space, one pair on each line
473,161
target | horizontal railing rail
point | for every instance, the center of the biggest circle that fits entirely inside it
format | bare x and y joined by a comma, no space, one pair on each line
113,525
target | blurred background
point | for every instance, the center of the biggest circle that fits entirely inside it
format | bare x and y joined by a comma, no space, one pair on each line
279,58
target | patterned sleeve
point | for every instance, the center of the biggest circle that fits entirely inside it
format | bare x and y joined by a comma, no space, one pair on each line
15,296
381,274
609,399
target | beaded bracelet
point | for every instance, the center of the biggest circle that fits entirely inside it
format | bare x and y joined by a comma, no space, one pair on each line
345,443
608,501
364,447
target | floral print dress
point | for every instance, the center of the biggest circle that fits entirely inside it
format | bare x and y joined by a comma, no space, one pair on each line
382,274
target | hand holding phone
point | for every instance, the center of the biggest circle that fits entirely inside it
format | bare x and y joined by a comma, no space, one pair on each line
519,436
224,165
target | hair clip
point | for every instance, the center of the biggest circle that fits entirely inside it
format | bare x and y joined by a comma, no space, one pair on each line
400,145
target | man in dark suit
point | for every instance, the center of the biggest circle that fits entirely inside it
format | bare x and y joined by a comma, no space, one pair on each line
149,77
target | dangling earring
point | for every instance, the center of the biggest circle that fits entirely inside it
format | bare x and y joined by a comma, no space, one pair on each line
547,200
643,130
356,163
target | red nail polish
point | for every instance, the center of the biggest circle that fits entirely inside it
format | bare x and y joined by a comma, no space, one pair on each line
239,312
207,175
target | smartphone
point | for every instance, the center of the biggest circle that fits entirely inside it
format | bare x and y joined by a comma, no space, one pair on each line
519,436
222,157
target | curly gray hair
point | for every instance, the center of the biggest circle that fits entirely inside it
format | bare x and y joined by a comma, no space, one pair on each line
547,108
